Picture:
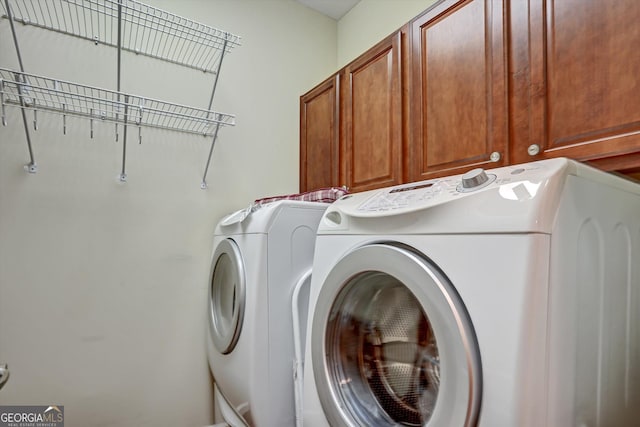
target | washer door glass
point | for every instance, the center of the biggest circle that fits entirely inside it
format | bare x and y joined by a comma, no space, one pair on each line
392,343
226,296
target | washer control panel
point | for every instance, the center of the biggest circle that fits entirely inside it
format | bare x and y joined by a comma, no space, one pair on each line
419,195
404,196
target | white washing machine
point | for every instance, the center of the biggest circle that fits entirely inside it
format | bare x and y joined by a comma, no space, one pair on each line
507,297
260,259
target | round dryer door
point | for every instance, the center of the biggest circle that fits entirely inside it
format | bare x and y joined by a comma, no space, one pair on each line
392,343
226,296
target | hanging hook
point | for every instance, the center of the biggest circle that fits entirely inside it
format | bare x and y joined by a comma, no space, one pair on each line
123,175
64,119
117,116
4,117
139,121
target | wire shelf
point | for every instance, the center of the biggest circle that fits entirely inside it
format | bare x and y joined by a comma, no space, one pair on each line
146,30
62,97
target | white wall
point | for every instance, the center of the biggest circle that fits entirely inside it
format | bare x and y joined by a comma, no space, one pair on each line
372,20
103,284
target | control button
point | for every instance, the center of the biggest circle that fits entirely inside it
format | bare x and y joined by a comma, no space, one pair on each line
475,180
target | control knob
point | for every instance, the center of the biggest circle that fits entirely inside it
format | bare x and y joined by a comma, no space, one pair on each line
474,180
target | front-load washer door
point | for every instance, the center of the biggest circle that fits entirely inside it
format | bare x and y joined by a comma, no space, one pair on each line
392,343
226,296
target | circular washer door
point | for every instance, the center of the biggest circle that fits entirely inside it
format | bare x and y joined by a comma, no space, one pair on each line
226,296
392,343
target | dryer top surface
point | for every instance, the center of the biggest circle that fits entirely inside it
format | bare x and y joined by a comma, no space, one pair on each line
261,219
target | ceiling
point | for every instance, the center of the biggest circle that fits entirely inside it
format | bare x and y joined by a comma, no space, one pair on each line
335,9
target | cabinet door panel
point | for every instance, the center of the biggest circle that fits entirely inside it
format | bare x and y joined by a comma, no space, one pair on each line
319,137
583,84
459,101
372,100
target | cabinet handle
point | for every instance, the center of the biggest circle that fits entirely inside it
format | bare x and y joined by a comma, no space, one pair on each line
533,150
495,156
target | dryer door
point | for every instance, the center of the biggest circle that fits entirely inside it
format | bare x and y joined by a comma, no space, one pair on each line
226,296
392,343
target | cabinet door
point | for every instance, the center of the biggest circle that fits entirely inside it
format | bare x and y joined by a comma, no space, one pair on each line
319,144
371,98
576,80
459,99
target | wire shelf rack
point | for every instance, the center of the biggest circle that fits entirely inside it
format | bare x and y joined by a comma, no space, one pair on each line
126,25
34,92
146,30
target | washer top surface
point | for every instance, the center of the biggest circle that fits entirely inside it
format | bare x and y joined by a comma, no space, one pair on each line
519,198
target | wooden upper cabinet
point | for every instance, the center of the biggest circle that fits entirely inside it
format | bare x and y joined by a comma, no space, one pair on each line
576,80
319,144
372,125
480,83
459,116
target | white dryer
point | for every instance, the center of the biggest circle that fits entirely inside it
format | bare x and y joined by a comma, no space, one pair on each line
259,259
508,297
